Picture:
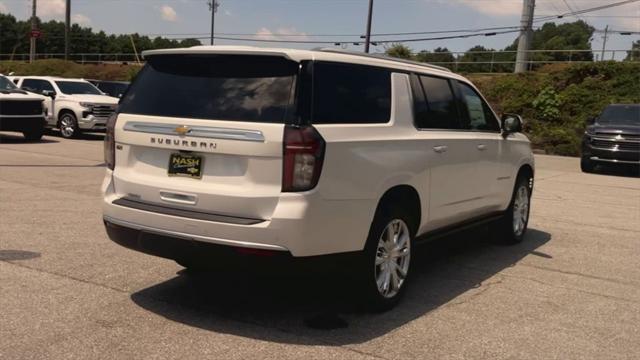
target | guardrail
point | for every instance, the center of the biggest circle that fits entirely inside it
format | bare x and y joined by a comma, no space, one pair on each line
471,61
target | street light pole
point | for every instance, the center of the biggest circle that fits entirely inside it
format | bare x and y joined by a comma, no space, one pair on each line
67,29
32,39
368,35
213,5
526,33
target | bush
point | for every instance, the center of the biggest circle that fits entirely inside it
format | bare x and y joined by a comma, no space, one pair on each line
557,100
70,69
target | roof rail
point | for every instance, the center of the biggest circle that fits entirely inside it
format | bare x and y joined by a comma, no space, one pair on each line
383,57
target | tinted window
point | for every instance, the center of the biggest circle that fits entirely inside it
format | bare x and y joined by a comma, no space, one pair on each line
6,84
222,87
442,112
478,115
77,87
620,115
350,94
112,88
35,85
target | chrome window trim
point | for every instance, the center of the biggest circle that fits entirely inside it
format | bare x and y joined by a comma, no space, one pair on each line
207,132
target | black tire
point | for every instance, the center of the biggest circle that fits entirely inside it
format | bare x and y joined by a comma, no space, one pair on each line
586,165
68,125
504,230
364,276
33,134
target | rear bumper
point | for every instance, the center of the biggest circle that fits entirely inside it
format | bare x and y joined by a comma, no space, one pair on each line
302,225
21,123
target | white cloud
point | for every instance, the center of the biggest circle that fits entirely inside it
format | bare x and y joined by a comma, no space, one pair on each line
281,34
51,8
495,7
168,13
3,8
228,12
81,19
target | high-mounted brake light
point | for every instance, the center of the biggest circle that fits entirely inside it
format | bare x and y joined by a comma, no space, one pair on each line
110,142
303,156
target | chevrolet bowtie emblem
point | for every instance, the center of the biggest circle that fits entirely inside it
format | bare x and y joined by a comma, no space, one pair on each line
182,130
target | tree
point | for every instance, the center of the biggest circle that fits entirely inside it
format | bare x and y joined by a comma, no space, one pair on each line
634,53
399,51
569,36
15,39
440,56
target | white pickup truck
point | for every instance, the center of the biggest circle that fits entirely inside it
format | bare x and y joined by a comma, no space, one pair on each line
75,105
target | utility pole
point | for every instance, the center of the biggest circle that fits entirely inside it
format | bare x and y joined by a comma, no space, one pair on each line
67,29
604,42
367,42
32,38
213,6
526,32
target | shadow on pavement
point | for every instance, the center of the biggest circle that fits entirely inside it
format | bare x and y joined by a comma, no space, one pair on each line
17,138
618,170
83,136
299,308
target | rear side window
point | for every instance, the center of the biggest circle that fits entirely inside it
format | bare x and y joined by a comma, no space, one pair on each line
442,109
37,85
220,87
350,94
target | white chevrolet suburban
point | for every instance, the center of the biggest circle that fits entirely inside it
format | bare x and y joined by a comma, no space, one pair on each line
262,153
75,104
21,111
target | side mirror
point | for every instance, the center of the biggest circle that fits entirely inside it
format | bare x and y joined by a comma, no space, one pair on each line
591,120
511,123
49,93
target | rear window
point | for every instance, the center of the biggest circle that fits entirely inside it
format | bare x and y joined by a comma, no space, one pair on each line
220,87
350,94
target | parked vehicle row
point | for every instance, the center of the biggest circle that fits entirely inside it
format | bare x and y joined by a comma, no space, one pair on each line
295,154
21,111
74,105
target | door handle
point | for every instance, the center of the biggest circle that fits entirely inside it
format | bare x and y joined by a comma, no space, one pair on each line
440,149
177,198
482,147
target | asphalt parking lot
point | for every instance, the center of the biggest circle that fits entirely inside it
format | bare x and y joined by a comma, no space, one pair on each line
570,290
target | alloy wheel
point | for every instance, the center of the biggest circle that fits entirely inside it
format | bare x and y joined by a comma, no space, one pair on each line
67,126
520,210
392,258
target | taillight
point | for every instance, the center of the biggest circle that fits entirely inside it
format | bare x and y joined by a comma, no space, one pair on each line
110,142
303,155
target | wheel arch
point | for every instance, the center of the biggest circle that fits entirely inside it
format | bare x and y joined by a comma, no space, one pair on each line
64,111
526,170
408,197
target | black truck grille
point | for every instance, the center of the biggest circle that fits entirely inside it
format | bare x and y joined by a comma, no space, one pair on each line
612,144
24,107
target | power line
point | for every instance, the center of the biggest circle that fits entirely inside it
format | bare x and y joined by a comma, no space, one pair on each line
584,11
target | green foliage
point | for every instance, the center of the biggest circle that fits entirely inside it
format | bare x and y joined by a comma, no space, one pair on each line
15,39
547,104
399,51
439,56
557,100
70,69
634,53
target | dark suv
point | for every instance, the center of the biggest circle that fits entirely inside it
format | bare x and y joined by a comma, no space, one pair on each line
612,137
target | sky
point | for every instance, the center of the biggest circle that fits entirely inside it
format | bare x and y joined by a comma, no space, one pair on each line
279,19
